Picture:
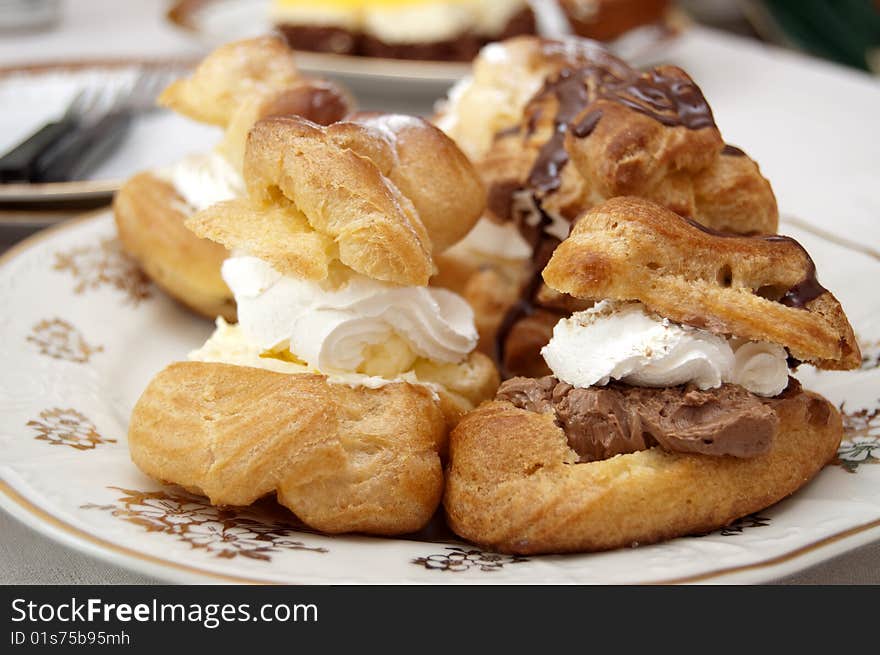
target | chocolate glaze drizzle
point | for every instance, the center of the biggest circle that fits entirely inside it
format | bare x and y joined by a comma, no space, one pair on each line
572,93
587,124
542,249
666,95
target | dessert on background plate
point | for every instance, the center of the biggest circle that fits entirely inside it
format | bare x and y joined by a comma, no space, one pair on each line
448,30
338,386
232,88
669,409
556,127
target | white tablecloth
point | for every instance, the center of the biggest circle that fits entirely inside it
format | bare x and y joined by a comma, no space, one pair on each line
812,157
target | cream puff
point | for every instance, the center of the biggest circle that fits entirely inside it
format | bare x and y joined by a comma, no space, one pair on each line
669,409
338,385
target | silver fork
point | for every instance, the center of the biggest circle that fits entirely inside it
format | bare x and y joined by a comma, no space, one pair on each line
18,164
103,128
137,96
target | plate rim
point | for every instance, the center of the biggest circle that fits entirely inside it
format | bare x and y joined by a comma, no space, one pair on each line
58,191
42,520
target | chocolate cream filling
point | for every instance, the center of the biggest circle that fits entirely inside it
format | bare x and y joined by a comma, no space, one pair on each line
601,422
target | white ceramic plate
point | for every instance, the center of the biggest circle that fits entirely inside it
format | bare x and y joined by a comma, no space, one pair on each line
82,332
32,96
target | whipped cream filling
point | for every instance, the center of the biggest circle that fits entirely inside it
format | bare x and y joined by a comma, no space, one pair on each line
354,325
229,345
623,341
447,109
204,179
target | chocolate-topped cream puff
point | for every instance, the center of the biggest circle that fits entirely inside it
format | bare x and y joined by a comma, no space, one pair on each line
574,126
669,409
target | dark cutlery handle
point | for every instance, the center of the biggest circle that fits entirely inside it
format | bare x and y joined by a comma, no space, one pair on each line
18,164
79,153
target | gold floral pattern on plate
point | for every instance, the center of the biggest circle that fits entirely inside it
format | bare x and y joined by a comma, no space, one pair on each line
223,532
458,559
738,526
104,264
861,438
67,427
58,339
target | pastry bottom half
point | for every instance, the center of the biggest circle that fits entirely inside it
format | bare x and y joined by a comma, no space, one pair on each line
342,458
514,485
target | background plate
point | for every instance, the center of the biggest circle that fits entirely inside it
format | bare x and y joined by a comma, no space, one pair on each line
83,332
214,22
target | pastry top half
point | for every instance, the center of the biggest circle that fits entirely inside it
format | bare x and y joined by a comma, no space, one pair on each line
377,193
760,288
237,69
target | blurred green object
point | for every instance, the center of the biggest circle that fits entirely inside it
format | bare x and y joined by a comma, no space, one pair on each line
845,31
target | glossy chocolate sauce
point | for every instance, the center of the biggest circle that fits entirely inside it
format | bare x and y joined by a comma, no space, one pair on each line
807,289
571,90
665,95
671,99
526,305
